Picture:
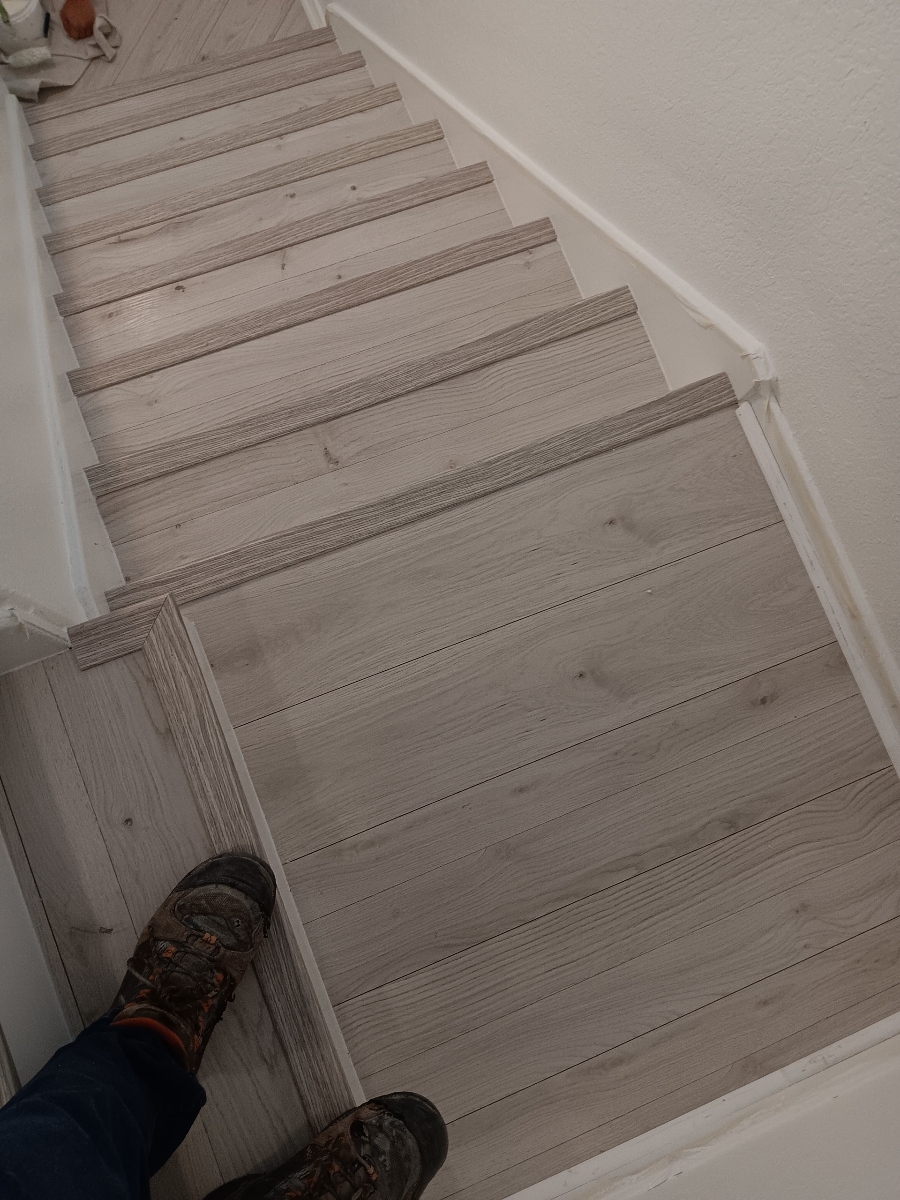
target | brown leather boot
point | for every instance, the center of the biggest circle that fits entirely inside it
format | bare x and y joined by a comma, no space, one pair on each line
389,1148
195,950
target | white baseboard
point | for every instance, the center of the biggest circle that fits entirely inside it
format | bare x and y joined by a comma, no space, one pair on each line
27,637
315,10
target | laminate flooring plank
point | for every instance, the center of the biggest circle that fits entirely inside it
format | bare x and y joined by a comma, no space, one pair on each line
351,293
173,40
338,134
245,23
70,861
604,1088
318,480
389,854
607,1010
451,719
313,357
277,276
261,259
94,168
205,230
61,107
375,605
155,834
558,863
833,1028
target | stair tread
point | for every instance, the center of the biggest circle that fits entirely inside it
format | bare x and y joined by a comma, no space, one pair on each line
253,245
292,415
216,131
219,572
347,132
259,324
63,107
182,100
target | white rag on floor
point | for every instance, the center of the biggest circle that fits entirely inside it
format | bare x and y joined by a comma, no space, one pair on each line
70,58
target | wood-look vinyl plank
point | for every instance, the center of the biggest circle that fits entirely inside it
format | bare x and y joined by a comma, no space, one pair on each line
334,467
259,212
273,319
426,498
402,849
655,988
123,117
58,107
340,133
287,273
245,23
561,1108
392,331
607,356
295,22
94,168
155,834
290,416
830,1029
172,40
258,259
63,841
336,134
528,877
454,718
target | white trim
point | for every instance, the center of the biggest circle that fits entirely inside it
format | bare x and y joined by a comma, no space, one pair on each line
828,566
274,860
315,10
637,1166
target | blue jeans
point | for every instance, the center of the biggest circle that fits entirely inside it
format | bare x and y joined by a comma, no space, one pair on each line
101,1117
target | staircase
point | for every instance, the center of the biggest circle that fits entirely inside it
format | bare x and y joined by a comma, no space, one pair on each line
584,816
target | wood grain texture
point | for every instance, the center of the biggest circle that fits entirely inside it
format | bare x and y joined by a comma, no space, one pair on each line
126,218
284,638
288,417
215,91
376,286
69,859
280,237
505,470
472,820
312,358
217,789
111,635
591,1107
66,105
689,874
38,913
243,20
296,21
649,990
467,713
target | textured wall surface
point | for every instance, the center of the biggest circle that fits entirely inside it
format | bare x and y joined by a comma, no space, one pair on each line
754,148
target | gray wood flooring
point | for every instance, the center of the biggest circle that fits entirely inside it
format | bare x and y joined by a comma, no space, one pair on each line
577,798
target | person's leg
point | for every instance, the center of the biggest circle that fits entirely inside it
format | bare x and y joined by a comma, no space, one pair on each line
110,1108
101,1117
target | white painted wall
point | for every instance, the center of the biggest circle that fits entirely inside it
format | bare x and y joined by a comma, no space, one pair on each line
753,148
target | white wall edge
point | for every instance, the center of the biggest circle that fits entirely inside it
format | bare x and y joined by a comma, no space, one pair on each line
274,860
28,236
315,10
641,1164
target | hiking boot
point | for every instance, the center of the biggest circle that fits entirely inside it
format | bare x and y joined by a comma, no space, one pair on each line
389,1148
195,950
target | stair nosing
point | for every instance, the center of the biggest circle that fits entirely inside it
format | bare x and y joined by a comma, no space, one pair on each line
246,185
178,454
276,317
230,568
64,143
213,66
120,287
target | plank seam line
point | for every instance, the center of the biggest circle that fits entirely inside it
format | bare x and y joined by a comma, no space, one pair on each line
180,453
222,571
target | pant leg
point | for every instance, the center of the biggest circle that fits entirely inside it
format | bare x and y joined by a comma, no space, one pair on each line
98,1120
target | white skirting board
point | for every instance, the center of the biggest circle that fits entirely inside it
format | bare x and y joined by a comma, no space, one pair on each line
315,10
692,338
